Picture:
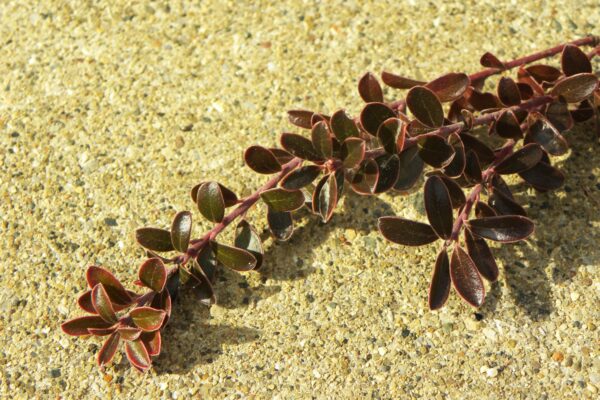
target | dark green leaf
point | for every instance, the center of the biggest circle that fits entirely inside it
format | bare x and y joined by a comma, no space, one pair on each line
373,115
147,319
389,169
425,106
279,199
153,274
370,89
300,118
505,228
261,160
321,139
521,160
154,239
300,177
210,201
137,355
232,257
343,126
353,152
406,232
248,239
435,151
438,206
391,135
465,277
79,326
300,147
574,61
108,350
399,82
181,230
281,224
113,287
102,304
449,87
439,289
576,88
508,92
545,134
411,167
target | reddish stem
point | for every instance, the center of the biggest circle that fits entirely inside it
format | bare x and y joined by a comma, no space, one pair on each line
486,73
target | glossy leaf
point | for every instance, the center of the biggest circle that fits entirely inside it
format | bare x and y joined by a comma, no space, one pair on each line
559,116
574,61
449,87
181,230
484,153
472,168
365,179
457,196
129,332
229,197
406,232
411,167
300,177
281,224
546,135
435,151
391,135
465,277
279,199
438,207
137,355
321,139
505,205
456,167
108,350
425,106
373,115
507,126
115,290
353,152
489,60
343,126
152,342
234,258
576,88
505,228
370,89
85,302
299,146
79,326
508,92
439,289
521,160
147,319
261,160
543,177
300,118
389,169
210,201
497,183
153,274
282,156
248,239
102,304
328,197
154,239
482,210
399,82
543,73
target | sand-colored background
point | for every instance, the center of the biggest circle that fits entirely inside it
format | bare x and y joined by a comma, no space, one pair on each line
111,111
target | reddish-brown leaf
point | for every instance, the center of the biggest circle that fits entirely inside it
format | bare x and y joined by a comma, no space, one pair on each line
489,60
261,160
449,87
153,274
138,355
343,126
406,232
300,177
108,350
300,118
79,326
576,88
115,290
181,230
370,89
321,139
233,257
439,288
147,319
399,82
102,304
299,146
482,256
574,61
438,207
508,92
465,277
425,106
505,228
373,115
521,160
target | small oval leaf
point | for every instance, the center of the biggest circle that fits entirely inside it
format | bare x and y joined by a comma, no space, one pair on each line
524,158
181,230
482,256
543,177
153,274
438,207
261,160
300,118
546,135
505,228
508,91
154,239
210,201
343,126
321,139
248,239
279,199
373,115
365,180
102,304
138,355
465,277
507,126
300,177
406,232
389,169
327,197
370,89
353,152
449,87
439,289
281,224
391,135
574,61
147,319
411,167
435,151
576,88
299,146
234,258
399,82
115,290
425,106
108,350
